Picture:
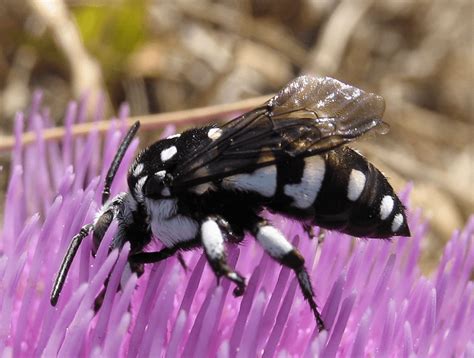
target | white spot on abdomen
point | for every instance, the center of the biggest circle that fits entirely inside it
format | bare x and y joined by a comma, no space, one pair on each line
214,133
386,207
168,153
304,194
273,241
397,222
212,239
262,181
356,184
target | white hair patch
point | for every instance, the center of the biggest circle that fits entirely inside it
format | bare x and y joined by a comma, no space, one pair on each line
233,276
212,239
138,169
168,153
262,181
397,222
273,241
167,225
356,184
304,194
161,174
386,207
162,209
139,188
214,133
179,228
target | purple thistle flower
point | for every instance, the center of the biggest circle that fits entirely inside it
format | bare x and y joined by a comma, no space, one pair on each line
372,295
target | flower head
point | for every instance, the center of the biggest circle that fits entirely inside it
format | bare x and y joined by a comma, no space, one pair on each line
372,295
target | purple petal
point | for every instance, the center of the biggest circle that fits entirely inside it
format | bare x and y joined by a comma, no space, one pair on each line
374,299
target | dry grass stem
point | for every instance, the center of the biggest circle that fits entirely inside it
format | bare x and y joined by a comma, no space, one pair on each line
86,73
271,34
327,54
148,122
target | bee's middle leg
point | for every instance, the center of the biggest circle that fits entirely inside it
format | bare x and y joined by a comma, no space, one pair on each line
212,239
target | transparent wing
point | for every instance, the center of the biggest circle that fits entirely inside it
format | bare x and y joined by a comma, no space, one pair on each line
309,116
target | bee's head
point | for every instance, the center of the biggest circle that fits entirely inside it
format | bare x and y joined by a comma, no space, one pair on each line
132,223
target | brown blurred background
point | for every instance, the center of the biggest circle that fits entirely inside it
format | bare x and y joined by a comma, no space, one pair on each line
167,55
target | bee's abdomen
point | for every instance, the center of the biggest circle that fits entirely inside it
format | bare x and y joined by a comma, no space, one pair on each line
342,191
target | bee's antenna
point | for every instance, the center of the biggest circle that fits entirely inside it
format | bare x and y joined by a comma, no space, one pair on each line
117,159
67,261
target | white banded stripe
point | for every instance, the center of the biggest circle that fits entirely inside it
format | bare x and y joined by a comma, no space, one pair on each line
304,193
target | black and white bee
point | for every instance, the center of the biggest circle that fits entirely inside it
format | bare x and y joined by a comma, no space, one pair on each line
208,186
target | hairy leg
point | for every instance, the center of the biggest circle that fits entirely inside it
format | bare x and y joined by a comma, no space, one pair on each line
214,246
278,247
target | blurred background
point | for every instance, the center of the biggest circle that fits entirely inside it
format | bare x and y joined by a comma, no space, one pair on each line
167,55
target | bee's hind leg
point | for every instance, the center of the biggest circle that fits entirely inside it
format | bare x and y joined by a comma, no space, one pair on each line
279,248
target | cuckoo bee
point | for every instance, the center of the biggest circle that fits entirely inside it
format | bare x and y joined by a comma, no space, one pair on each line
207,187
